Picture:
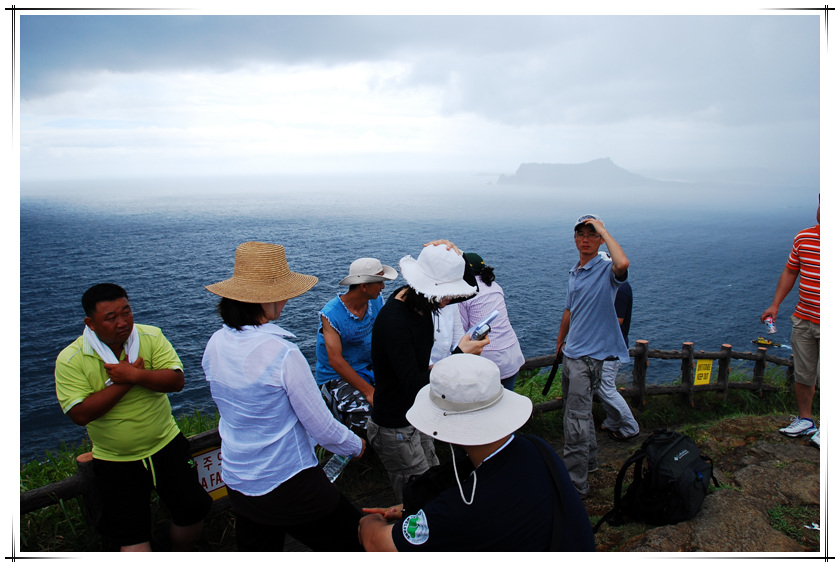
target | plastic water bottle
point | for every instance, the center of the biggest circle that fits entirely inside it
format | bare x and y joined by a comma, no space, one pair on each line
334,466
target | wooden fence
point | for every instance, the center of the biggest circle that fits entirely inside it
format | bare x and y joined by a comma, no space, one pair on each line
80,484
641,354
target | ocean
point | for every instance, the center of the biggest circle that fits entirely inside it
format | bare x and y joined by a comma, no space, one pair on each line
704,259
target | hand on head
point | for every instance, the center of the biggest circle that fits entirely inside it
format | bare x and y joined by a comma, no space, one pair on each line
449,245
596,224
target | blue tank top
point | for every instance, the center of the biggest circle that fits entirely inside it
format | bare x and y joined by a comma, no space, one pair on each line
355,336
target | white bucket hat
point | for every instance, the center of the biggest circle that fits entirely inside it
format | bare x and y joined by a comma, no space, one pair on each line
368,270
464,403
437,273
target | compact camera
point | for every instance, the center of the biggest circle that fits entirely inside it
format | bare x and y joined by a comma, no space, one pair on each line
480,331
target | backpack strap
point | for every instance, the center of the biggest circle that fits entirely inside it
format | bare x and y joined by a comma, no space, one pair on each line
614,515
558,524
714,478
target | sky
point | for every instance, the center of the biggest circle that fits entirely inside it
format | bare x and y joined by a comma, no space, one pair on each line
198,92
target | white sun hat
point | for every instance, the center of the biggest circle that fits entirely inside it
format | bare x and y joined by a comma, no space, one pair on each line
437,273
464,403
368,270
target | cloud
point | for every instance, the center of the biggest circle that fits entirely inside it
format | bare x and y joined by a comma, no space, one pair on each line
275,92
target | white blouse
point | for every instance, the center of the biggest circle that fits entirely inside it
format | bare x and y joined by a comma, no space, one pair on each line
272,413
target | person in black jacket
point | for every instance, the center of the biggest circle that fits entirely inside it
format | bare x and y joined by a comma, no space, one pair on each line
403,336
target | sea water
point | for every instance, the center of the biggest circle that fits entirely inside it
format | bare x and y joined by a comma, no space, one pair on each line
704,261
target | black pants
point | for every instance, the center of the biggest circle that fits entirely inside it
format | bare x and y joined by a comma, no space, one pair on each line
333,533
307,507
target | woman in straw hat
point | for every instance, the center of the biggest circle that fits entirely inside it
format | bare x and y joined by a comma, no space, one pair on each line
403,336
270,407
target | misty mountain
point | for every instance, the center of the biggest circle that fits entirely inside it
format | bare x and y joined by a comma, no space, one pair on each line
596,173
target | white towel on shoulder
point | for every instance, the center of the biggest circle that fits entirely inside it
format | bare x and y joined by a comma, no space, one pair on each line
132,347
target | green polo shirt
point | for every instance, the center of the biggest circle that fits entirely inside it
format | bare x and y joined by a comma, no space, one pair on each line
141,423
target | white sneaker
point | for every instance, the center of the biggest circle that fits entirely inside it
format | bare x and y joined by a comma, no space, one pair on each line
799,427
815,439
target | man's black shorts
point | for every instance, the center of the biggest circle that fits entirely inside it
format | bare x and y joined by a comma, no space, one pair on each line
125,488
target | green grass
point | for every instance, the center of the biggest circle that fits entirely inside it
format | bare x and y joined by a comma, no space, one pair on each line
792,521
62,527
531,383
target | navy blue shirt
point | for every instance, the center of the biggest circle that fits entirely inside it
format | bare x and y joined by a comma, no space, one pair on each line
512,509
624,309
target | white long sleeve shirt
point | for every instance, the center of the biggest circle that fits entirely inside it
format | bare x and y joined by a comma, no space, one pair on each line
271,410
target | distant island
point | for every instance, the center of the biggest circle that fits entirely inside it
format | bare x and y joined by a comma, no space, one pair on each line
596,173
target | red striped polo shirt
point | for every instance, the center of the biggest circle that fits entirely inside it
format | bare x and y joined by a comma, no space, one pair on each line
805,259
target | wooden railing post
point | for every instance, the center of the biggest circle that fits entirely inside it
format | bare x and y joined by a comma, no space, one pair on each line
640,364
758,370
91,500
790,374
687,374
723,369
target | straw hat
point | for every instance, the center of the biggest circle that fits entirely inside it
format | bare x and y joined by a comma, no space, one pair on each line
261,275
368,270
437,273
464,403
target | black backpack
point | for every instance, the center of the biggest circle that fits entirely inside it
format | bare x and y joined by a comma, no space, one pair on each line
670,481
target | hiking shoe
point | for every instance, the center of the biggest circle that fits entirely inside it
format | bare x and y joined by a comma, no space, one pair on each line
798,427
619,436
815,439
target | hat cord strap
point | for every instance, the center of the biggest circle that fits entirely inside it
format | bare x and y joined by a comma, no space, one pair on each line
458,481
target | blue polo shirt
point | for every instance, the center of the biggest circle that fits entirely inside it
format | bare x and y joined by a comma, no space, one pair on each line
594,329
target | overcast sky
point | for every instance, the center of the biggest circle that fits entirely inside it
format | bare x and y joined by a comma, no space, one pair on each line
184,94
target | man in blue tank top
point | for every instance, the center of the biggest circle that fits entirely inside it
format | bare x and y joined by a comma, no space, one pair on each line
589,335
344,369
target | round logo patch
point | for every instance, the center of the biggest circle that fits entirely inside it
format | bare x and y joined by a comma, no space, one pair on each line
415,529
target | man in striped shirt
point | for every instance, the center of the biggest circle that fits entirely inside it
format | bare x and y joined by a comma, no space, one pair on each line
803,262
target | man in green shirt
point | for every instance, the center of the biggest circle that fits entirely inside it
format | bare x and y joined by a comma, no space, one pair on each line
114,379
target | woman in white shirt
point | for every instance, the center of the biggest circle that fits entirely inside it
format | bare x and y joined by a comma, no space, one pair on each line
271,412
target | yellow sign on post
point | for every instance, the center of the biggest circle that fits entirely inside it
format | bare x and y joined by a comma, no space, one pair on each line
703,372
209,464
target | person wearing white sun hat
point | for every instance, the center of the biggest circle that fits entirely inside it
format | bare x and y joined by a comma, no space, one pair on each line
512,494
271,414
403,337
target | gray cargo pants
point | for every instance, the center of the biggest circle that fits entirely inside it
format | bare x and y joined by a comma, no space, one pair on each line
581,378
404,452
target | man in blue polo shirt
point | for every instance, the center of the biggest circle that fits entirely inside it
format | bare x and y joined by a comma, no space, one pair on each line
589,335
